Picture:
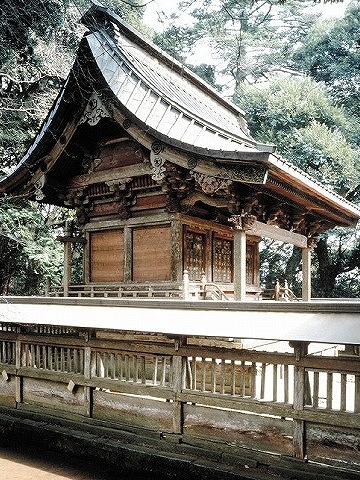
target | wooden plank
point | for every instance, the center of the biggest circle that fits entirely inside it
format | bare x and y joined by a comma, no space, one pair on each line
286,383
315,398
261,433
8,388
275,383
135,411
299,441
357,394
343,381
329,390
54,395
330,444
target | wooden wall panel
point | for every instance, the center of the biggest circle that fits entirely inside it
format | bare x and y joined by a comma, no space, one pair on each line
252,263
195,253
107,256
337,444
7,391
152,253
119,154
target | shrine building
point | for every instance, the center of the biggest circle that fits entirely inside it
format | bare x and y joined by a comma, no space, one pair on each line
164,176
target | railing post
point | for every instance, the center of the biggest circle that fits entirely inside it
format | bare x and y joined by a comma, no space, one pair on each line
299,436
177,365
277,290
87,376
186,285
18,378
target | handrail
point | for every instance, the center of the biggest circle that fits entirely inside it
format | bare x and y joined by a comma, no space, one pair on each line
289,321
215,292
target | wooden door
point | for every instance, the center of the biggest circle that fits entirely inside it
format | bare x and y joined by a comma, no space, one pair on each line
222,260
151,253
194,254
107,256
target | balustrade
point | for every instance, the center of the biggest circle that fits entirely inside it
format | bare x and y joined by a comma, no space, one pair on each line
258,399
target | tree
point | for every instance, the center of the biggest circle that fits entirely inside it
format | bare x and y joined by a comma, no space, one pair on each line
299,116
330,53
29,252
248,39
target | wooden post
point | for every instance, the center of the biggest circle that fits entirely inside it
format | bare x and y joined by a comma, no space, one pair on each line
277,291
186,286
67,258
299,437
239,265
306,274
87,376
18,378
67,267
177,363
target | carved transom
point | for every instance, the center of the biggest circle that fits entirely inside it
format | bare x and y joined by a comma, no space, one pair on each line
211,185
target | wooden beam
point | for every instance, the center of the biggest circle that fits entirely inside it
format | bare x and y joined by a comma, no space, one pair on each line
260,229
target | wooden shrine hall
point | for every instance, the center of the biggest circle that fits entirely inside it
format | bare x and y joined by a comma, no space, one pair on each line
164,175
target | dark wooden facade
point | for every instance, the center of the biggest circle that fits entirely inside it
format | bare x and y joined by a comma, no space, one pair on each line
155,163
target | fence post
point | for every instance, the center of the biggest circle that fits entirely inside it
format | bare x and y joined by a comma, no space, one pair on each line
87,376
18,378
299,436
177,365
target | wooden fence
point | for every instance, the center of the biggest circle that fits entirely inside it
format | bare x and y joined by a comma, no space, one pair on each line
202,390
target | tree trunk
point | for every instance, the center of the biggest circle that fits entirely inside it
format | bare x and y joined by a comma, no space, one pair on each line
327,271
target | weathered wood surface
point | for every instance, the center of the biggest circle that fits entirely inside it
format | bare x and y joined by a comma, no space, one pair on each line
261,433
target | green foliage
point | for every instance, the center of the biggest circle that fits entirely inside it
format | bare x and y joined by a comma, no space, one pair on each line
29,252
330,53
273,266
298,115
24,21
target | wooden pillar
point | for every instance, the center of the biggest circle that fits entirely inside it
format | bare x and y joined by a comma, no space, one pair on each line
128,247
239,265
67,267
177,363
306,274
299,434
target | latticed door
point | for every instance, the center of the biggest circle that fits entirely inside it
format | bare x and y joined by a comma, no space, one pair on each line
194,254
222,260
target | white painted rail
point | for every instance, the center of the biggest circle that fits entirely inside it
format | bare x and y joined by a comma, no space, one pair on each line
325,322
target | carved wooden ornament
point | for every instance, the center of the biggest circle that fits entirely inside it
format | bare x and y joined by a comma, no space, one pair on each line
94,111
